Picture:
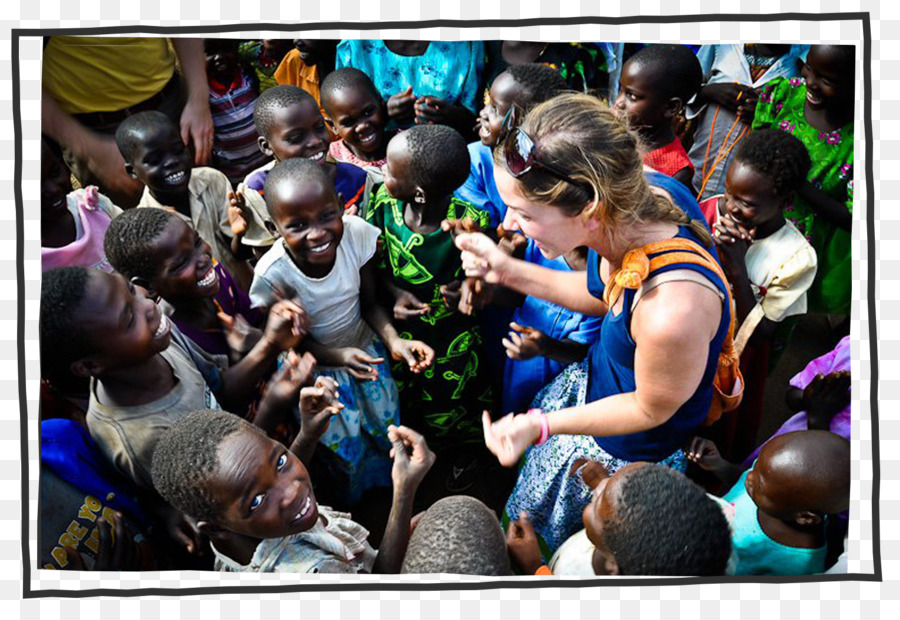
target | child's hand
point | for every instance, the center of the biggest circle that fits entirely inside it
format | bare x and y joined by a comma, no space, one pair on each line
522,544
412,458
592,472
460,226
732,242
239,334
401,106
117,550
288,324
824,397
359,364
746,111
524,343
513,244
283,389
184,531
704,453
433,111
317,406
452,294
237,215
474,295
407,306
415,353
729,95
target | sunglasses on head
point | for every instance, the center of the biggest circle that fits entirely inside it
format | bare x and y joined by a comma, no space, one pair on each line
519,152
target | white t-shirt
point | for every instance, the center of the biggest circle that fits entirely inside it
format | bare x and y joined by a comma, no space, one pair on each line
332,302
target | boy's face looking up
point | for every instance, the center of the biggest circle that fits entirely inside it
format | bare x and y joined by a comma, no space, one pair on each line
358,116
162,162
126,327
397,170
504,92
264,489
601,509
185,264
642,99
297,130
308,218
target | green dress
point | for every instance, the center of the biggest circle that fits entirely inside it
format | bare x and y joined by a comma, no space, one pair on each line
780,106
445,401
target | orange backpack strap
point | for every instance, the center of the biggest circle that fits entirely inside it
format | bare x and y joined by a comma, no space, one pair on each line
637,267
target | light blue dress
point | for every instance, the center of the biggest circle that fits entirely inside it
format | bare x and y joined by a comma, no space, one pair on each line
449,70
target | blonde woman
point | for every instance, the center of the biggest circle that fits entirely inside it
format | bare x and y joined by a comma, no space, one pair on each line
572,175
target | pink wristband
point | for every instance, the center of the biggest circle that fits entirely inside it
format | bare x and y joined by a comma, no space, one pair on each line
545,426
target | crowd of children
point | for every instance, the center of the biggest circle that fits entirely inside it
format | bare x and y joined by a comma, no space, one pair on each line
278,363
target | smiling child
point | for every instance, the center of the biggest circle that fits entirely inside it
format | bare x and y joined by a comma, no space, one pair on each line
154,154
357,115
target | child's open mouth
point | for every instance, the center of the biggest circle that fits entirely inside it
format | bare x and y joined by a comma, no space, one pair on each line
304,510
368,139
176,178
320,249
813,98
163,328
208,280
318,157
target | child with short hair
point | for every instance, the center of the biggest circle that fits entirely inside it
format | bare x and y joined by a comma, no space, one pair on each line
818,110
457,535
144,373
161,253
646,519
255,499
290,126
325,259
154,154
233,90
425,164
782,502
655,85
356,114
73,222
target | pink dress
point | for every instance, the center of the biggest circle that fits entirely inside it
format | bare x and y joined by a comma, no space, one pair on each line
95,211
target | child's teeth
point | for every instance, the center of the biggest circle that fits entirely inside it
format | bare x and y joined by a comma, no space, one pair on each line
208,279
163,325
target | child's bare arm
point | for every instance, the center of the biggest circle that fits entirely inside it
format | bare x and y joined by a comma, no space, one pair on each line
705,453
238,219
318,404
412,460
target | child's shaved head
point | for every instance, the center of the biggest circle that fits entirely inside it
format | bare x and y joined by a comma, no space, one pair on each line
274,99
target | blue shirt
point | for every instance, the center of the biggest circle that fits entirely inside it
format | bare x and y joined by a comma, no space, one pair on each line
480,188
523,379
757,554
611,357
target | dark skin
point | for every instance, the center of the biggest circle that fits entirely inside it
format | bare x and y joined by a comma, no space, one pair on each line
405,107
308,217
298,130
791,500
822,399
319,53
162,162
57,223
750,210
221,61
264,491
522,52
358,116
829,106
643,102
505,94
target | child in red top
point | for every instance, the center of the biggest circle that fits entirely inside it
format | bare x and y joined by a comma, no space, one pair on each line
654,87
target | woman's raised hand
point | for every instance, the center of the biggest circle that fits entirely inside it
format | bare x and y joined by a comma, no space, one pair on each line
481,258
509,436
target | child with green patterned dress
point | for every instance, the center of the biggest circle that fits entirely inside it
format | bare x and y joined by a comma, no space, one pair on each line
423,269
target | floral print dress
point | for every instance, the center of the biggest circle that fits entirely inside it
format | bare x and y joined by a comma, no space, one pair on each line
781,105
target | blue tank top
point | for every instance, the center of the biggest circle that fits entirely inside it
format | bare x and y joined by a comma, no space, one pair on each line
611,357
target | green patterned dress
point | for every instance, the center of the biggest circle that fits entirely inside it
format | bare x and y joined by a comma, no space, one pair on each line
445,401
781,105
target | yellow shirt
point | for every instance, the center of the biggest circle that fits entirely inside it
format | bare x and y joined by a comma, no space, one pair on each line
104,74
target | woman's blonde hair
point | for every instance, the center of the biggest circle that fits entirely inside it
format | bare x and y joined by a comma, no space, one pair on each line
579,134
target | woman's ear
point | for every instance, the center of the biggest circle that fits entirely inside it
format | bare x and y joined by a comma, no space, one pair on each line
264,146
807,518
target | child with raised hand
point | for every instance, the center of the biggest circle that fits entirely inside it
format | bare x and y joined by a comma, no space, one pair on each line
782,503
818,110
290,126
161,253
646,519
233,91
255,499
154,154
655,85
144,373
769,263
73,222
324,258
424,165
544,337
357,116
